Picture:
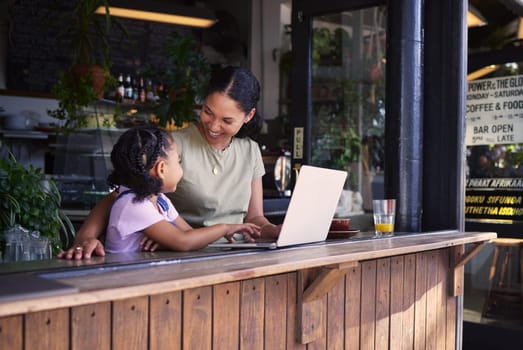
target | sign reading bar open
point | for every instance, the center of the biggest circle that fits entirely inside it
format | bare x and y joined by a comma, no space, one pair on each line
494,139
495,111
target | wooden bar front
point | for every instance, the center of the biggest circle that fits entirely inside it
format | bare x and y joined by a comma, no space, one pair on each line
394,293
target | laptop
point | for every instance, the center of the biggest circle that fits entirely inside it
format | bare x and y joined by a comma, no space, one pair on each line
310,212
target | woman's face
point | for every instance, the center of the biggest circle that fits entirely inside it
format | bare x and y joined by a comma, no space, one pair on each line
221,119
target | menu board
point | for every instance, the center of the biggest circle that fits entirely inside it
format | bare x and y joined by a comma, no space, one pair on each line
36,53
495,111
494,139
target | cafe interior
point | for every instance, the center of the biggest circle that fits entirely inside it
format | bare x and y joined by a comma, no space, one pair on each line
358,71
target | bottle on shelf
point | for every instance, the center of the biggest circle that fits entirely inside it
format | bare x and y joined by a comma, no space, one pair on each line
149,91
128,87
120,89
136,95
141,91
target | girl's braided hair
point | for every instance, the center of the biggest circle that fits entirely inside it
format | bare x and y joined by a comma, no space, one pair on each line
134,155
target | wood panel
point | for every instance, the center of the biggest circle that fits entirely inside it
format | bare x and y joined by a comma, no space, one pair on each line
165,321
130,324
451,310
310,313
226,312
314,312
47,330
275,322
420,308
353,307
441,299
336,316
83,335
252,314
292,343
11,332
320,343
396,302
409,301
368,305
431,318
197,318
382,303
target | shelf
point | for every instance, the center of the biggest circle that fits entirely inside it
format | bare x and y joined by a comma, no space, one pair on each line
24,134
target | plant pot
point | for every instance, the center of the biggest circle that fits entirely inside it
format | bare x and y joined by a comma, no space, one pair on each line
97,76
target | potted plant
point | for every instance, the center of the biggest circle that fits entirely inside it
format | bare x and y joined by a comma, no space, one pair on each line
185,77
88,76
29,199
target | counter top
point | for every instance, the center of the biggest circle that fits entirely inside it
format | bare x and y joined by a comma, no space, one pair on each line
122,276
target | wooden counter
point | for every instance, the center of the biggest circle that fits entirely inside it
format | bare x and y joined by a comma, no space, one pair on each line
398,292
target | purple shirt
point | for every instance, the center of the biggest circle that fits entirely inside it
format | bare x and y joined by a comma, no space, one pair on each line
128,219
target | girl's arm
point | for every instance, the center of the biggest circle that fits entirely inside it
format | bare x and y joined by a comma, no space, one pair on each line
255,211
148,245
86,240
174,238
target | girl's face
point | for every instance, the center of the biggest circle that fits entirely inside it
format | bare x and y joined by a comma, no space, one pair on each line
170,169
221,119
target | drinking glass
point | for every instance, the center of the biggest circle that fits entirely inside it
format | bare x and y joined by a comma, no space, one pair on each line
384,211
40,248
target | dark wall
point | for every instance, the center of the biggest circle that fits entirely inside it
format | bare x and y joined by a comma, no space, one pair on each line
35,53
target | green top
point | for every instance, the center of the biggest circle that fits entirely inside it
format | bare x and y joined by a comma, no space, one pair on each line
216,185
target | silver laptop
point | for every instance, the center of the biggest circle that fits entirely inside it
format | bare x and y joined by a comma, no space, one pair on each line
310,210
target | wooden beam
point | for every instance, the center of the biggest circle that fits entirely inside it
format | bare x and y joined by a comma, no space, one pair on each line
459,257
313,286
470,254
322,284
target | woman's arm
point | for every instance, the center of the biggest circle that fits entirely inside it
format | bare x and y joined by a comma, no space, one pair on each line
86,240
255,211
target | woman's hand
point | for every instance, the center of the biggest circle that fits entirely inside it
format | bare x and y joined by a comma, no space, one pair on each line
83,250
249,231
270,230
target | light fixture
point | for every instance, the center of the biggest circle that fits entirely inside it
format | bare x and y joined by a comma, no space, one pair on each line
160,11
474,18
482,72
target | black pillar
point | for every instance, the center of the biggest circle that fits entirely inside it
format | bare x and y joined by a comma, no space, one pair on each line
404,121
446,49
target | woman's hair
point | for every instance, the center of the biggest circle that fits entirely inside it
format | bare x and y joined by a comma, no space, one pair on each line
242,86
133,156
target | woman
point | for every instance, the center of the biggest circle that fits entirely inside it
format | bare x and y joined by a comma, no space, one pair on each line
222,166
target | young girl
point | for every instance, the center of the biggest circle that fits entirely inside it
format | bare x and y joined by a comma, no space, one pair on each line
147,164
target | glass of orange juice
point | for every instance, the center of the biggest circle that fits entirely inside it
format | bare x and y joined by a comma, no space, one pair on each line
384,211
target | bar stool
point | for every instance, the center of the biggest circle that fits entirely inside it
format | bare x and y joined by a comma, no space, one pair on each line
505,291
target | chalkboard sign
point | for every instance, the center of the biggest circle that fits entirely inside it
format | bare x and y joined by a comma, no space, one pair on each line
36,54
494,200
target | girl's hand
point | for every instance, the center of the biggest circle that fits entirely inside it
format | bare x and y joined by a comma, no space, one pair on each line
83,250
249,231
148,245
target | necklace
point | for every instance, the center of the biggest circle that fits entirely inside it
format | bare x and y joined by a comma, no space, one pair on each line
219,157
228,145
